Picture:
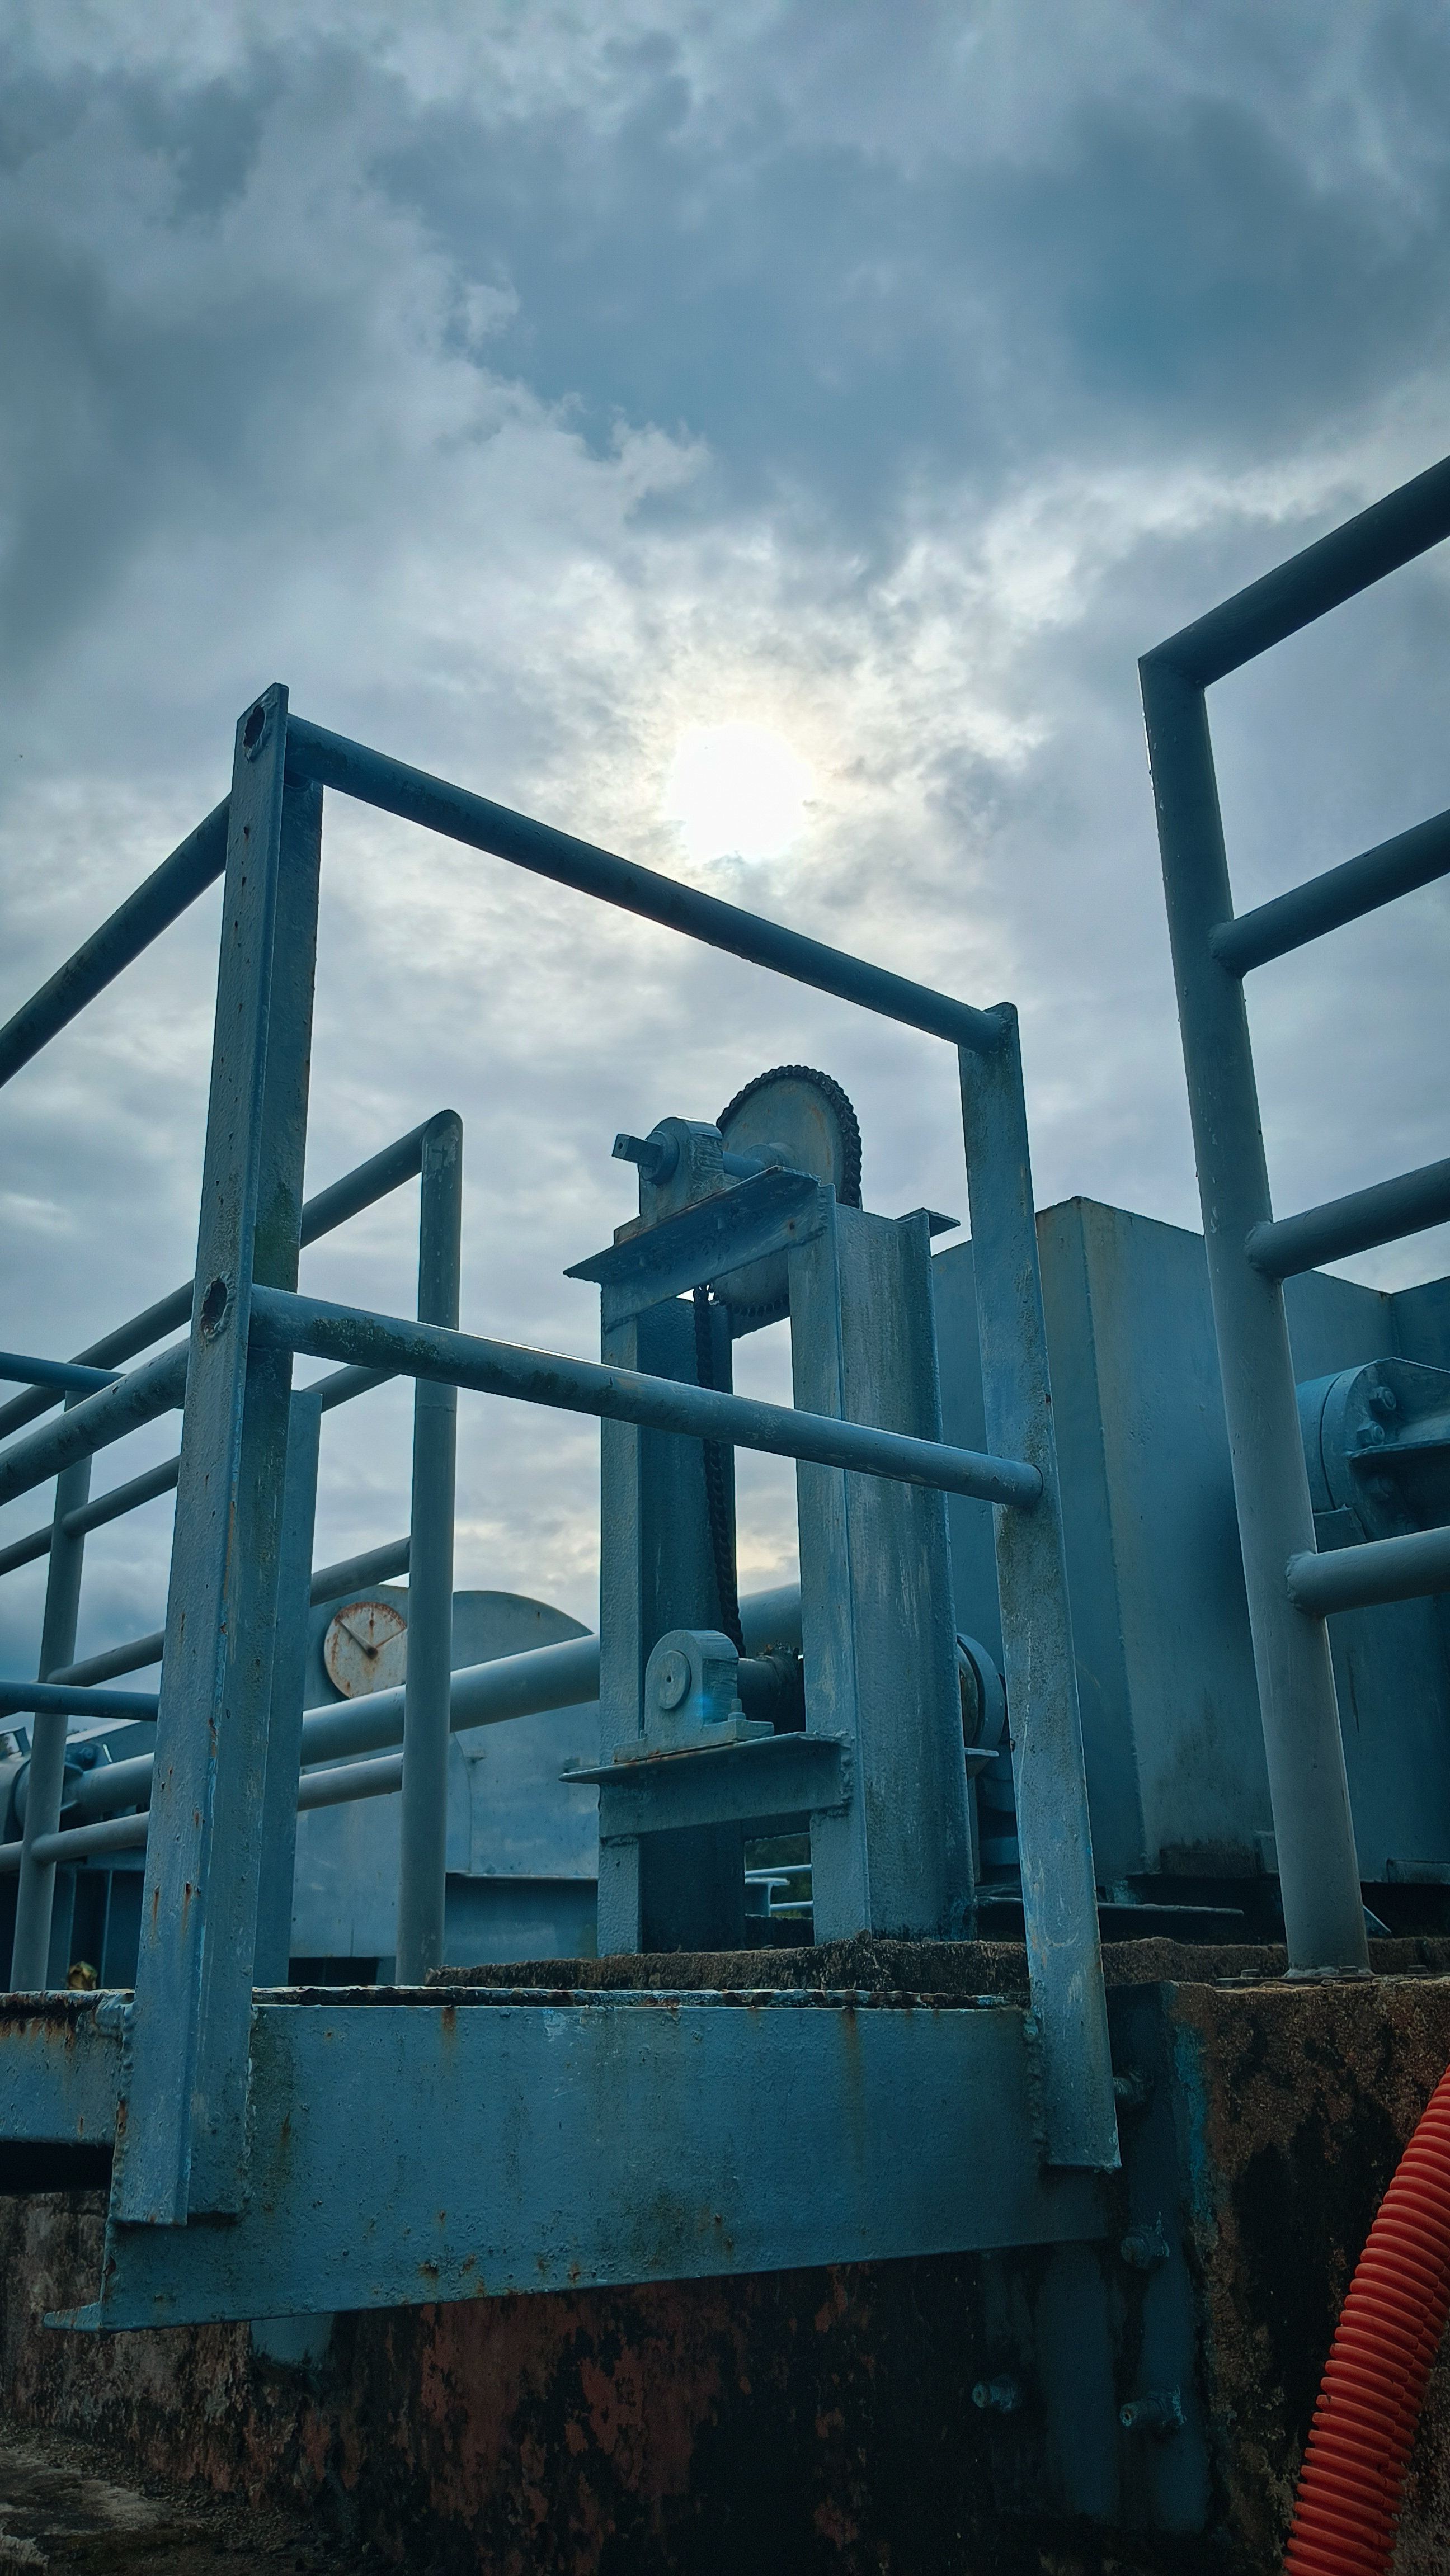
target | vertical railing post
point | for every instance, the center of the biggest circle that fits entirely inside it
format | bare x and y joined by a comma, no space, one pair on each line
35,1895
1059,1896
422,1875
1313,1825
184,2140
289,1667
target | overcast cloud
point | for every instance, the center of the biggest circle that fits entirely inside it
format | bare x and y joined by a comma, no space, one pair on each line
536,391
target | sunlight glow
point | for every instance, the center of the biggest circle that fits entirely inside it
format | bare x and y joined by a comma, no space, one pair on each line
736,791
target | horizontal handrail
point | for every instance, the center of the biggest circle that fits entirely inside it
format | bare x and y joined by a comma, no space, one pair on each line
110,1506
68,1377
1385,1569
1285,1246
168,892
284,1322
354,770
70,1698
1412,859
380,1779
361,1188
1322,576
375,1565
158,1386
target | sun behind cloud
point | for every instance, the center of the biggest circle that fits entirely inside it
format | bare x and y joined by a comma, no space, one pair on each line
736,791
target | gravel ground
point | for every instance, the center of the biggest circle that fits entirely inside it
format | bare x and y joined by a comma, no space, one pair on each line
79,2510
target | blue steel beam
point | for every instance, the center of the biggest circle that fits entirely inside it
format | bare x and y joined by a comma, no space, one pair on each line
1335,568
282,1322
1282,1247
418,798
1059,1896
185,2144
59,2070
194,865
343,1198
520,2145
1412,859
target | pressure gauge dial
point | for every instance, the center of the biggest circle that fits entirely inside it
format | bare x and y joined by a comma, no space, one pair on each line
366,1648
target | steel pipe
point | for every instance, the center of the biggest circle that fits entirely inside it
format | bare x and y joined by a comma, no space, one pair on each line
282,1322
18,1368
158,1386
382,1779
1318,1864
1390,533
418,798
422,1867
72,1699
35,1895
1386,1569
1378,876
1282,1247
168,892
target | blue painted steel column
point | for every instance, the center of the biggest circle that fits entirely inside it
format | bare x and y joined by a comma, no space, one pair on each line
35,1897
1313,1826
289,1671
184,2143
422,1869
1059,1896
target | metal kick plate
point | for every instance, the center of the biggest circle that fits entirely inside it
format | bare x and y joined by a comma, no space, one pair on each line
471,2143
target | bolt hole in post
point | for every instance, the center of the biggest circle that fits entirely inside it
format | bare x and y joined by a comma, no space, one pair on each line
214,1308
253,728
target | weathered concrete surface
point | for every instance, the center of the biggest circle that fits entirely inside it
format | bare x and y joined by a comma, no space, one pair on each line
72,2507
821,2421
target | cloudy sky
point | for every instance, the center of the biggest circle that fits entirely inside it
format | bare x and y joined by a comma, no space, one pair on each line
762,441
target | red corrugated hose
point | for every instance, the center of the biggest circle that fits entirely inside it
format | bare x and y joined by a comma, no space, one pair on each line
1389,2331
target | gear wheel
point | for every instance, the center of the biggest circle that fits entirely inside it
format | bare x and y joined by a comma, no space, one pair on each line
796,1108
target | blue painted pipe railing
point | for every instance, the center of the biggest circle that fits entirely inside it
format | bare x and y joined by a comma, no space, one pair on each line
1343,894
283,1322
1282,1247
418,798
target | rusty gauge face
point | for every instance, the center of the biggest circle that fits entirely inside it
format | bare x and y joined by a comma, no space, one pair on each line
366,1648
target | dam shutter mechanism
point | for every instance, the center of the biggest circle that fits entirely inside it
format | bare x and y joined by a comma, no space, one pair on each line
1100,1536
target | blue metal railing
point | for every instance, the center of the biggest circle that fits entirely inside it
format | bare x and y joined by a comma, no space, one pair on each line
1250,1252
224,1785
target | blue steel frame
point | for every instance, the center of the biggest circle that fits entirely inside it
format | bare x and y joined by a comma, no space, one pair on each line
244,1468
1250,1252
